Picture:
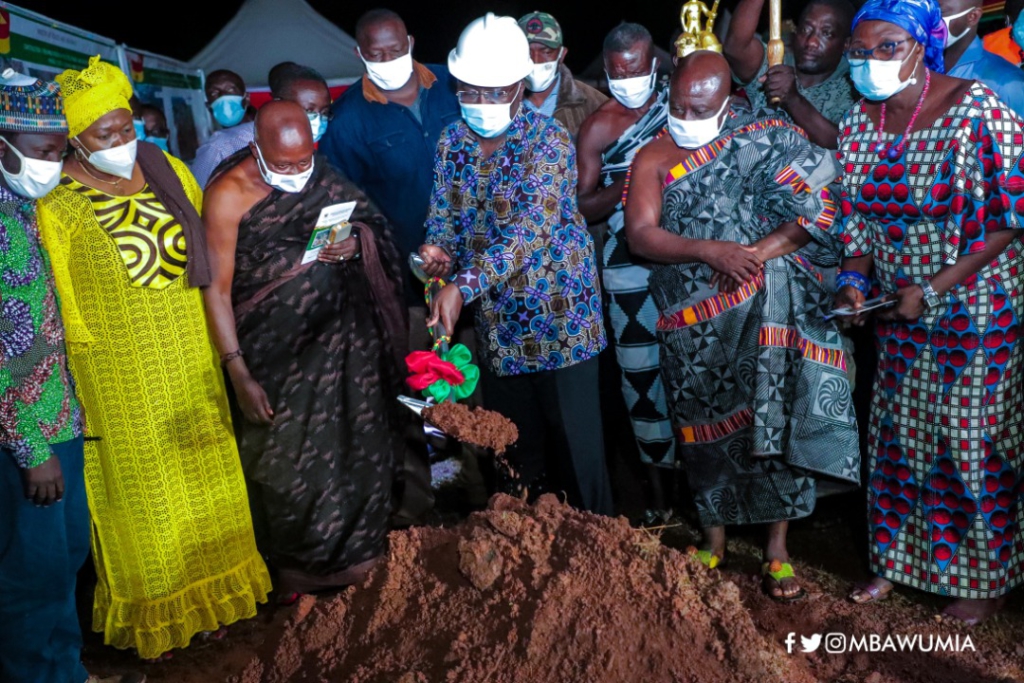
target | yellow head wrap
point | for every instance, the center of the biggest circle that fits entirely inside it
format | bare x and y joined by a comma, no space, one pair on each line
96,90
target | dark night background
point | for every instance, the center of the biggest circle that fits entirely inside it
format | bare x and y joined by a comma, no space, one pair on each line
180,29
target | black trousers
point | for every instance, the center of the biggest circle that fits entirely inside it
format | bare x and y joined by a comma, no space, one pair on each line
561,442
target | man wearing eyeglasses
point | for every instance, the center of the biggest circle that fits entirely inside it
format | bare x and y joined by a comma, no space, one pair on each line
504,228
813,84
967,58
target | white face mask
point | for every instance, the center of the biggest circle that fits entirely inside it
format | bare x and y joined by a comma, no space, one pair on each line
285,183
633,93
543,74
36,177
488,120
950,38
318,123
695,134
119,161
390,75
878,80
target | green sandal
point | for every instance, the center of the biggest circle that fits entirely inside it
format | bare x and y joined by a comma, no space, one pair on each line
777,571
705,557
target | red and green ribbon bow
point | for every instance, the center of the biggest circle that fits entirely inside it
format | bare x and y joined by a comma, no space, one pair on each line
448,376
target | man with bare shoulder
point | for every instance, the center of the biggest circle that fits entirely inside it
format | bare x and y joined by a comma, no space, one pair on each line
608,141
304,310
736,211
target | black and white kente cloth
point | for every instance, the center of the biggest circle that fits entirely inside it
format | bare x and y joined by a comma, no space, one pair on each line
633,315
756,379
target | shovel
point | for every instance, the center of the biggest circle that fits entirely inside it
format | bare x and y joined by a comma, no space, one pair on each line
438,334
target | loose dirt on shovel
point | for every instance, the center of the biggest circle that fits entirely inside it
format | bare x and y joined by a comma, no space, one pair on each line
476,426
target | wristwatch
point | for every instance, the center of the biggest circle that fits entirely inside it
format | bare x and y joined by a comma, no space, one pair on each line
931,297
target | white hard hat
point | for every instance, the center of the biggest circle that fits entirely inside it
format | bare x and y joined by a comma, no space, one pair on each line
492,52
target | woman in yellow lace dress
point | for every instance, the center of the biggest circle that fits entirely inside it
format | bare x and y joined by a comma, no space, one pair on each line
172,535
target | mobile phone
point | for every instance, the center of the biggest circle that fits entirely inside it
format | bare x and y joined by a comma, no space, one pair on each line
341,232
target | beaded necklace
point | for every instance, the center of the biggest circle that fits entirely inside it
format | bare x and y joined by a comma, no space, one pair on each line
892,152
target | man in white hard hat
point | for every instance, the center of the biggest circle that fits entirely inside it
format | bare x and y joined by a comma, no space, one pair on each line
504,227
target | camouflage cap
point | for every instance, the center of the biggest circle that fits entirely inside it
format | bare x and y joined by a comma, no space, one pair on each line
541,27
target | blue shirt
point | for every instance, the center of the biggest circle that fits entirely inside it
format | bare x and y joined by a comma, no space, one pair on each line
550,102
513,228
389,153
219,147
1006,80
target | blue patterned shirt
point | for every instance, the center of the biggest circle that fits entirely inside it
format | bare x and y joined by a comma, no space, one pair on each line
519,243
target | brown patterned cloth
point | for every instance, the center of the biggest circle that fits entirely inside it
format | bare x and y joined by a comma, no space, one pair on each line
323,341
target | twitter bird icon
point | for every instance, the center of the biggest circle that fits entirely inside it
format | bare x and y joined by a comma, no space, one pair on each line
810,644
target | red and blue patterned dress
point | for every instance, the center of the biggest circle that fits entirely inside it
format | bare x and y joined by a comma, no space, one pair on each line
945,435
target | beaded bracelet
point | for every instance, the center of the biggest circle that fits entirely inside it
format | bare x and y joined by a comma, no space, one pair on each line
228,357
851,278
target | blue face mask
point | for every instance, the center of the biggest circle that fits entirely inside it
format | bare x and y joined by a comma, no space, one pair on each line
1018,30
318,123
228,110
159,142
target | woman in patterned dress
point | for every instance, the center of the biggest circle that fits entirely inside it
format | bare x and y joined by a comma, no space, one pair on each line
172,535
932,195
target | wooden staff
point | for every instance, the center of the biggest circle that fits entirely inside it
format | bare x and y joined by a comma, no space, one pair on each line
776,50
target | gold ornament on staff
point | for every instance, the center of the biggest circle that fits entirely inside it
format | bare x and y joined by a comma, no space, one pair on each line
695,37
776,49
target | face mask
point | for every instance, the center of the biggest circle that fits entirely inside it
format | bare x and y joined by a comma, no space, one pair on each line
390,75
36,177
119,161
228,110
318,123
285,183
633,93
140,129
543,75
1018,30
950,38
695,134
159,142
488,120
878,80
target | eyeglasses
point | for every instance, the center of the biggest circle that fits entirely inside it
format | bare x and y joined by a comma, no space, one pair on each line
883,52
493,96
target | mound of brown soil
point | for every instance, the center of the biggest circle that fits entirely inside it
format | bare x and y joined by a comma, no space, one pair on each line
526,594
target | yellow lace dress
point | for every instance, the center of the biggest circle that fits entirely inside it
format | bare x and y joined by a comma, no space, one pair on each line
172,534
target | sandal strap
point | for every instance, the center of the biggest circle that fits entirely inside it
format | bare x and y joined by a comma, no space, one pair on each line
874,590
784,572
706,557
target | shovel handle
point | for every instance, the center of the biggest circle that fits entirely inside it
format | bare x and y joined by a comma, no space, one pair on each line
439,334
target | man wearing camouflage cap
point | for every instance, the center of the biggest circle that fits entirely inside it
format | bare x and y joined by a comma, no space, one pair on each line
552,89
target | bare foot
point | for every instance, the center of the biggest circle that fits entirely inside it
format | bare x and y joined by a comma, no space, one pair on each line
876,590
973,612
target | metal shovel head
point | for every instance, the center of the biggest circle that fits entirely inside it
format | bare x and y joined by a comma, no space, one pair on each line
416,265
413,404
417,406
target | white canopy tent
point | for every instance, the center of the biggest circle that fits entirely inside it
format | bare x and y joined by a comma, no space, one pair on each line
267,32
